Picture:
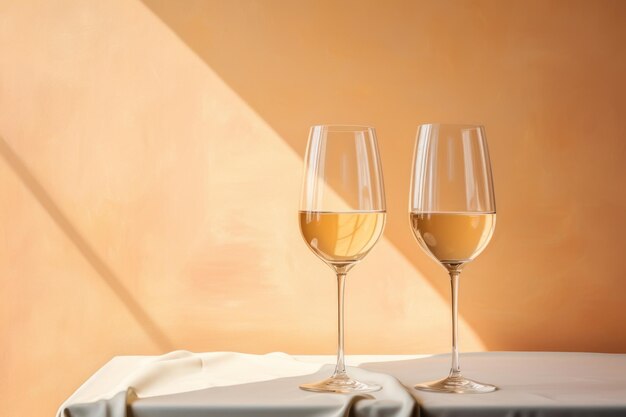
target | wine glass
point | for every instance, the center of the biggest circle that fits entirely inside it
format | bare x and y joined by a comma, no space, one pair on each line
342,215
453,215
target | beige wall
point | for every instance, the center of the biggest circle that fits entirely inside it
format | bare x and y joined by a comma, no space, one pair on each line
150,161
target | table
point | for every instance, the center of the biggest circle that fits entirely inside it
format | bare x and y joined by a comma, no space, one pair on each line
533,384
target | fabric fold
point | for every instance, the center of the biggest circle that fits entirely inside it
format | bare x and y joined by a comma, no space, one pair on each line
187,384
116,406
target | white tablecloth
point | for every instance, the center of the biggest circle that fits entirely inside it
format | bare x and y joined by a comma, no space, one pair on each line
233,384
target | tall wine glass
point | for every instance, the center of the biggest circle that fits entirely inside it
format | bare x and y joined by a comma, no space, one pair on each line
342,215
453,215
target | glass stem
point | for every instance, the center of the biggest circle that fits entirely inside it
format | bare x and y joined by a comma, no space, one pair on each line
340,369
455,370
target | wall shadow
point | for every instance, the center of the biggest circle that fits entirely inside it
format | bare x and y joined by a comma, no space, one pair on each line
506,66
104,271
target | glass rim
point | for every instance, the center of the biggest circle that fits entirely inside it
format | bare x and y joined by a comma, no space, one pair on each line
457,125
336,127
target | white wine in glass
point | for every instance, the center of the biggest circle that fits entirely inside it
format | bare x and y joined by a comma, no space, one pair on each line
453,216
453,238
342,215
341,238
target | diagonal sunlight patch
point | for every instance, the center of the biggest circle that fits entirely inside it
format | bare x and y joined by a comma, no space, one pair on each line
183,190
251,238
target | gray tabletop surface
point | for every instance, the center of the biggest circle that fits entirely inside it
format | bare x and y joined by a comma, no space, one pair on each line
531,384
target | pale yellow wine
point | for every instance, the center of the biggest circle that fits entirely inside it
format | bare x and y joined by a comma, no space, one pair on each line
453,238
341,238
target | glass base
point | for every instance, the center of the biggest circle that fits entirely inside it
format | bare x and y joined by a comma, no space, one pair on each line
340,384
456,384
